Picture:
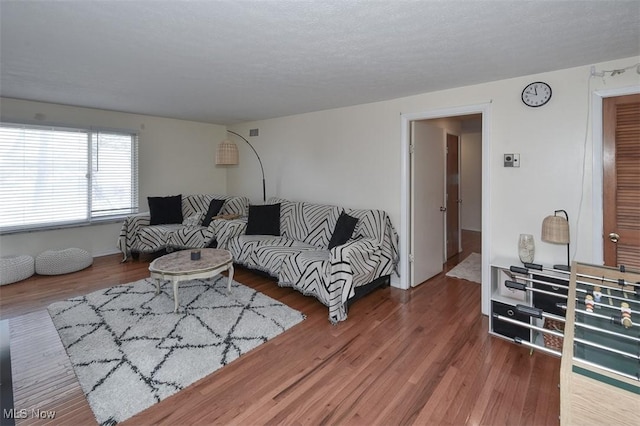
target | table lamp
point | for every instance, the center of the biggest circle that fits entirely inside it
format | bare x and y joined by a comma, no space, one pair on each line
555,229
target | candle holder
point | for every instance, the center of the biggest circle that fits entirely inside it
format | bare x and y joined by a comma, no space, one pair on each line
195,255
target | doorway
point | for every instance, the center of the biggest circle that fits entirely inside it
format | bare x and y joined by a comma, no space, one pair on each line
437,228
410,227
597,104
452,196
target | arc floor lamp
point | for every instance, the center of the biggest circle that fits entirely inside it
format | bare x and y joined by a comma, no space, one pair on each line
227,155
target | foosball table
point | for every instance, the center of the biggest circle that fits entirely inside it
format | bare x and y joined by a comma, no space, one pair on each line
600,367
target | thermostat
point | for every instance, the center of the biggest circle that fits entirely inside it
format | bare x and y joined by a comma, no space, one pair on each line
512,160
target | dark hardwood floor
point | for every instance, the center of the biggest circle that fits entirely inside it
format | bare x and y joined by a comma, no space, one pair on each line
422,356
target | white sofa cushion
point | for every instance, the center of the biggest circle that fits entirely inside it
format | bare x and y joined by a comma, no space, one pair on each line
150,237
269,254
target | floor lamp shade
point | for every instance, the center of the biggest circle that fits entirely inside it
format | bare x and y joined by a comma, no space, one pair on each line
555,229
227,153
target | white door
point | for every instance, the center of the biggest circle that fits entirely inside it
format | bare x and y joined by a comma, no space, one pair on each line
427,201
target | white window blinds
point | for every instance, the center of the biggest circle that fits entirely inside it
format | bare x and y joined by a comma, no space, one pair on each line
114,184
54,176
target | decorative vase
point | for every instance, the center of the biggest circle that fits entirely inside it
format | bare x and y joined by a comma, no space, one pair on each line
526,248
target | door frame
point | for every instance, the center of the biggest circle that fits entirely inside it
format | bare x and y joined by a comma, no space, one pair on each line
597,204
405,190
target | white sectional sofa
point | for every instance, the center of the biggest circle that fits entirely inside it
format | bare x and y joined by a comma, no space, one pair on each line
299,255
137,235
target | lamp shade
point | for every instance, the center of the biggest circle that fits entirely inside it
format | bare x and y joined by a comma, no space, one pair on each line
555,229
227,153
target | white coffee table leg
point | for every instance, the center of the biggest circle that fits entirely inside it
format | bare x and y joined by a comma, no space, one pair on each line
175,294
157,286
230,278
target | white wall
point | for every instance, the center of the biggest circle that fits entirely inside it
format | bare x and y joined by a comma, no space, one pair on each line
175,157
323,157
471,181
351,156
451,125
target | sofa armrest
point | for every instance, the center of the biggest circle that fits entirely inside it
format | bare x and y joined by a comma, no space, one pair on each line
354,263
129,231
377,224
225,230
345,251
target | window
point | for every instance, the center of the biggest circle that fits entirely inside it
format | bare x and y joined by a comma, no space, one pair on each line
55,176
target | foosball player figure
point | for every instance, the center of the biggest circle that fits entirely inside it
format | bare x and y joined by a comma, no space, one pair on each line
597,294
588,301
626,315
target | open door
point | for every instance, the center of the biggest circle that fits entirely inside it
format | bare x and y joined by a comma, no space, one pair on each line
427,201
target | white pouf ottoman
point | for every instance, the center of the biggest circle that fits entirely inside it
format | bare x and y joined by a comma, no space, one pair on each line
15,268
58,262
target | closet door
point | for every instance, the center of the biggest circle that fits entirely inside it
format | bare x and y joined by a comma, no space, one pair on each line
621,133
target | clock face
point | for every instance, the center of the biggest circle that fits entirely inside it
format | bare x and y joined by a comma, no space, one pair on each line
536,94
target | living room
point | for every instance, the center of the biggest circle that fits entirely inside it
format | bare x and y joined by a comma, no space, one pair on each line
352,156
371,129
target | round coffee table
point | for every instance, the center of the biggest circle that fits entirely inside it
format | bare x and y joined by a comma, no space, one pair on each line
178,266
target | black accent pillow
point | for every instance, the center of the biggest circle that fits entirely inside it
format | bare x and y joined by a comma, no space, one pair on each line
264,220
165,210
344,229
214,208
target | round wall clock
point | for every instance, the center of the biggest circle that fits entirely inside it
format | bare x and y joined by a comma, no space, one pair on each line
536,94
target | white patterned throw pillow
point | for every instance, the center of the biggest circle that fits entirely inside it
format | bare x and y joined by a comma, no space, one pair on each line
194,220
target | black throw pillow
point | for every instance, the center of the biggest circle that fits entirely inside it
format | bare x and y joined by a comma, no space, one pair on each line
344,229
214,208
264,220
165,210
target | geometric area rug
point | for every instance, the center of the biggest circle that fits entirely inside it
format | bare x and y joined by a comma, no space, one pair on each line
469,269
129,349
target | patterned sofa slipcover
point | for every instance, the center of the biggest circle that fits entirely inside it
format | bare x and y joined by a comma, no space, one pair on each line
300,257
138,236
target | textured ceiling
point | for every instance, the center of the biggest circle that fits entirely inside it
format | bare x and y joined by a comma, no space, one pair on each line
229,61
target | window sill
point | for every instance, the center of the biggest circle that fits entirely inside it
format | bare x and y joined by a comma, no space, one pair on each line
105,221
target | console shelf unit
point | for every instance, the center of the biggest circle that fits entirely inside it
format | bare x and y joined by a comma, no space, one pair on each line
528,303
